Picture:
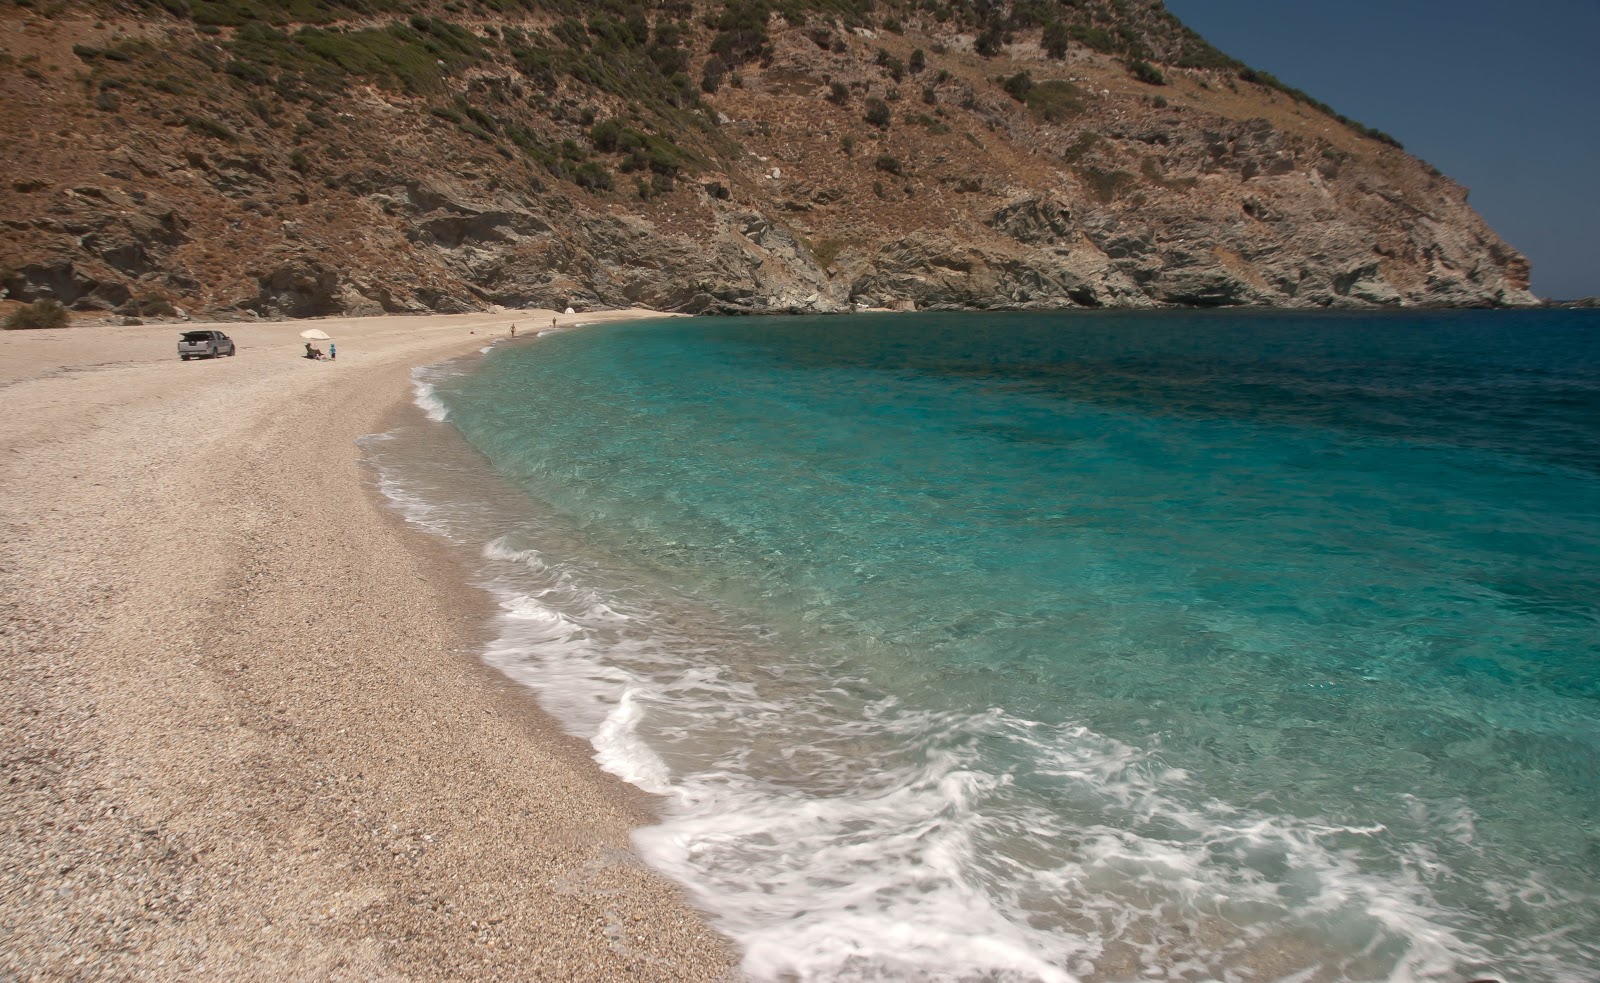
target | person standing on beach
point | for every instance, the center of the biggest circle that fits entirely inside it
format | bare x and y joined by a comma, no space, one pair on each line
513,329
333,352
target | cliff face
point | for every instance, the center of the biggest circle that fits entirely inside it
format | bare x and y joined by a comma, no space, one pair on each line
231,160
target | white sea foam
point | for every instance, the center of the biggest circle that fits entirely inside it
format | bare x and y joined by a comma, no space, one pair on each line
424,396
417,508
873,841
839,834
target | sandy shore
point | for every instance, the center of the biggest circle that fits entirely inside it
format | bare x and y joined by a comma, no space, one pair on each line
245,731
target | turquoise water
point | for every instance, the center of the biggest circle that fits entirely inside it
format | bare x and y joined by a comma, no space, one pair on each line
1179,646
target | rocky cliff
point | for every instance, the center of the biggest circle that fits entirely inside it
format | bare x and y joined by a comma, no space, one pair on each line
263,158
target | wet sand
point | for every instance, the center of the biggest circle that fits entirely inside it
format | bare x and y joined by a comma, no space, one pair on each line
245,729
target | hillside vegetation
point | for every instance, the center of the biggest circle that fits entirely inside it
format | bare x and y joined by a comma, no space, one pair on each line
305,157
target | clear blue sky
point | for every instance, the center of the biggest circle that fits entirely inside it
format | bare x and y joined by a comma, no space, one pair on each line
1503,97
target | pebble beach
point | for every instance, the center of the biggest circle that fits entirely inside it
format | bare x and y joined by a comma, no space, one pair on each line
247,732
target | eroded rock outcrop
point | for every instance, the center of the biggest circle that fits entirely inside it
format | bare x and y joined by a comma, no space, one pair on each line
491,185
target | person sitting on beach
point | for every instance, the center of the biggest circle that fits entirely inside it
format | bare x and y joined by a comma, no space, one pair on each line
310,352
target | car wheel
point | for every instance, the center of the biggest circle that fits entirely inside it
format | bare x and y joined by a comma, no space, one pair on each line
233,350
213,351
184,357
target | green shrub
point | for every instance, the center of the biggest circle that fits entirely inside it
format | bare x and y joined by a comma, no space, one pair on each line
1085,143
664,157
1018,86
1146,72
1093,37
668,58
1054,100
888,164
878,113
605,134
446,113
45,313
248,72
592,176
1054,40
537,65
741,31
711,77
891,64
397,56
838,93
206,126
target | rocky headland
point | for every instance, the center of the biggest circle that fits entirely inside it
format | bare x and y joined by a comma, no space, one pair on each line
260,159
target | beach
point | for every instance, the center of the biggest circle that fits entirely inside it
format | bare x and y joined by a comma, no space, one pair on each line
247,729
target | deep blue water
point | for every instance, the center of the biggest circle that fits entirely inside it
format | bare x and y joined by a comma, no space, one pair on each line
1229,646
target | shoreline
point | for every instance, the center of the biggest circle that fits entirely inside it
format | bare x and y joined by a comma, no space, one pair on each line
251,732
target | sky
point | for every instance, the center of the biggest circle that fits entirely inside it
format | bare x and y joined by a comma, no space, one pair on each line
1502,97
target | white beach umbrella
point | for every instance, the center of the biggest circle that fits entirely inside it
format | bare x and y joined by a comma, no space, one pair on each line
315,334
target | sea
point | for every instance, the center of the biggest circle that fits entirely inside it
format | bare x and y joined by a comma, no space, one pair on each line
1188,646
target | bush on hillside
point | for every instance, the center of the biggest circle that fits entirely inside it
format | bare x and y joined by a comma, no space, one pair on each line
46,313
593,177
989,42
1054,100
711,77
1146,72
741,31
1055,40
878,113
1018,86
605,134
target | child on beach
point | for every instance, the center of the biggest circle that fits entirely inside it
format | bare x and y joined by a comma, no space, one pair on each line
333,351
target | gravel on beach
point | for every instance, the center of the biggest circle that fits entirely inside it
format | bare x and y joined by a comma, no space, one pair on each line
245,729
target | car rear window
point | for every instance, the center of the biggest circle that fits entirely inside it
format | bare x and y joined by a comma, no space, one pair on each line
197,336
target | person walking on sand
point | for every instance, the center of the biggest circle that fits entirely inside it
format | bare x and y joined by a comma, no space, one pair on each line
513,329
333,352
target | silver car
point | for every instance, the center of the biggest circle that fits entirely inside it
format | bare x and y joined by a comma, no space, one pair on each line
204,344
